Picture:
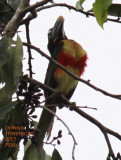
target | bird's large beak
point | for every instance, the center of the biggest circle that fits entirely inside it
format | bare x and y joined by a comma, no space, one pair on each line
58,29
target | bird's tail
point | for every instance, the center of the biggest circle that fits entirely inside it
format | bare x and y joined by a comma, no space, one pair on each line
45,123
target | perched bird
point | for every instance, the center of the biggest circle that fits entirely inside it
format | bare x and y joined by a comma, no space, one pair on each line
73,57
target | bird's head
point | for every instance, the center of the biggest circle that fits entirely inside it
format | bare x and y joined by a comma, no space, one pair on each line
56,34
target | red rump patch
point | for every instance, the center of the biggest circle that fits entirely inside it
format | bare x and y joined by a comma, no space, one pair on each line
67,60
81,64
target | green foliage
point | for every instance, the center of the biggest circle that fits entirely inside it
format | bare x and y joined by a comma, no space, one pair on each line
32,153
100,8
15,117
56,155
79,4
114,10
14,3
11,54
11,113
47,157
3,51
5,107
30,149
7,10
5,152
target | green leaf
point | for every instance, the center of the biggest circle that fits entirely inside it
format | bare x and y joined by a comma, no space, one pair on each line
15,152
100,8
29,148
43,154
79,4
5,152
10,67
5,107
114,10
6,13
14,118
47,157
13,110
14,3
32,154
56,155
7,10
18,60
27,145
3,51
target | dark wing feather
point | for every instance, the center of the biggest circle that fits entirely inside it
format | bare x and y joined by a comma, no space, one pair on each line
49,79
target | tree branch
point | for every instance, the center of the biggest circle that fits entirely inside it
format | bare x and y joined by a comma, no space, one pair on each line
21,11
104,129
13,24
29,49
73,75
72,107
24,8
86,13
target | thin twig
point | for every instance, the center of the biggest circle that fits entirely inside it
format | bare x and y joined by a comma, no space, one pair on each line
113,133
86,13
43,86
70,133
29,49
104,129
84,107
76,109
71,74
34,6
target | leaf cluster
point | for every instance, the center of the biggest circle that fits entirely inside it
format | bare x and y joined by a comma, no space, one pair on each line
11,54
7,10
102,9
